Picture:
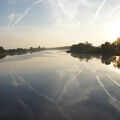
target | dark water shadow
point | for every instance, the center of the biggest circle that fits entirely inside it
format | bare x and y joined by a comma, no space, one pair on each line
2,56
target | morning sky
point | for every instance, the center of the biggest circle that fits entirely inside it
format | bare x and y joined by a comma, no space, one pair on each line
50,23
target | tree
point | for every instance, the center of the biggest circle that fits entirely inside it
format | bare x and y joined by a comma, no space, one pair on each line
106,47
2,49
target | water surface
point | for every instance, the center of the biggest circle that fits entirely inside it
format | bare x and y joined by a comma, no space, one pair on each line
55,85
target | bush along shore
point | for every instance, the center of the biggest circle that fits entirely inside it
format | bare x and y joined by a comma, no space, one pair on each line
19,51
106,48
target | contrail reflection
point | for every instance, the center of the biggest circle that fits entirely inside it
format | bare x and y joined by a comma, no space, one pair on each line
66,85
113,100
113,80
21,81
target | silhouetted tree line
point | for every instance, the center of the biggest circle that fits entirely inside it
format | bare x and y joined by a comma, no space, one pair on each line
106,48
19,51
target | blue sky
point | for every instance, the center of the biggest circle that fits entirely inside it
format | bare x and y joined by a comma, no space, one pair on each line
49,23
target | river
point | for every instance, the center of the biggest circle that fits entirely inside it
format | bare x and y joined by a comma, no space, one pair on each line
55,85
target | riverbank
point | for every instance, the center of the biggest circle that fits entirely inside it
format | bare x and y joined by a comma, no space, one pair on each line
18,51
106,48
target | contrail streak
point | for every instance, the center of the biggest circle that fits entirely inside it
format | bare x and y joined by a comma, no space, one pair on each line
25,13
64,115
114,9
99,9
11,17
113,80
113,100
69,17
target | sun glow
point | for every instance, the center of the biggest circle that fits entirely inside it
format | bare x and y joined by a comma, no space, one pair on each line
116,29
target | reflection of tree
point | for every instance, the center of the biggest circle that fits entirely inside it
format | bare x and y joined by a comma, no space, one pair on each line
85,57
18,51
2,56
2,52
117,62
105,59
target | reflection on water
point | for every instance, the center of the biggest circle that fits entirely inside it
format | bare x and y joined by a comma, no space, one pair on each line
53,85
2,56
106,59
117,62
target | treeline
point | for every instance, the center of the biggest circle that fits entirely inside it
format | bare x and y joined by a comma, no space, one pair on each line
19,50
59,48
106,48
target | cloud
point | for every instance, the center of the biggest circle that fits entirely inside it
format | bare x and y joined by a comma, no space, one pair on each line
38,1
99,9
84,2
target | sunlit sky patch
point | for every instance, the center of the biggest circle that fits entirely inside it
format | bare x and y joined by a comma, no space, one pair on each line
50,23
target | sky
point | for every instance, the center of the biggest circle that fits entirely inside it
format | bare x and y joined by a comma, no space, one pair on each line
51,23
